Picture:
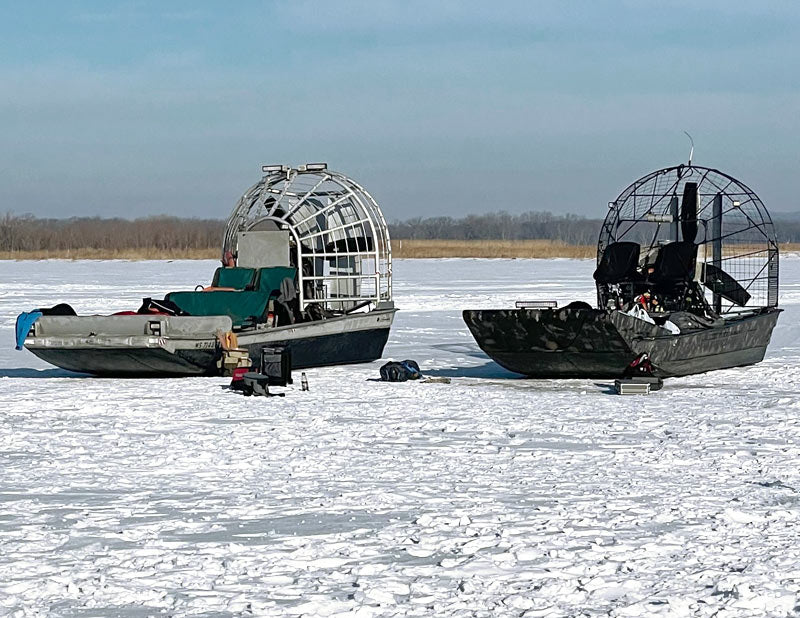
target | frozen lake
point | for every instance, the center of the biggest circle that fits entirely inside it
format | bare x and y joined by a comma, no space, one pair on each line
490,496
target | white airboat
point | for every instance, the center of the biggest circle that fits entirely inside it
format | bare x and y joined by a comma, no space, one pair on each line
306,264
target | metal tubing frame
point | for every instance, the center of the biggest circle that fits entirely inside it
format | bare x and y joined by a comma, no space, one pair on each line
370,222
652,193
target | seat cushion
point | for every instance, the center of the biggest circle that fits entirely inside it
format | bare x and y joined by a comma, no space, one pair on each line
236,278
238,305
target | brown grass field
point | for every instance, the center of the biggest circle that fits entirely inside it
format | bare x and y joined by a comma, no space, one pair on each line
489,249
400,249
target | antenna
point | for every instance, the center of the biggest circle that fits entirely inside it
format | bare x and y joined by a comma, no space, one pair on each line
691,151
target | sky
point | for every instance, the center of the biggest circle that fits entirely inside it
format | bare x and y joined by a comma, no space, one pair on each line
438,108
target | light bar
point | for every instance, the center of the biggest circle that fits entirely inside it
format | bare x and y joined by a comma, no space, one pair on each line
269,169
312,167
536,304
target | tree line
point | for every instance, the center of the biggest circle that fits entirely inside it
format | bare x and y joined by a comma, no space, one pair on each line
569,229
29,233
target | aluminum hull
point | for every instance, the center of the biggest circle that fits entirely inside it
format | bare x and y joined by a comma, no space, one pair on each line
354,338
591,343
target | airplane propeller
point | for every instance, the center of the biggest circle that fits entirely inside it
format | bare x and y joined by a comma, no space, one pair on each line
720,282
713,277
689,212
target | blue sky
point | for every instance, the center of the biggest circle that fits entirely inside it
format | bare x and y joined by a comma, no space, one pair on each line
438,108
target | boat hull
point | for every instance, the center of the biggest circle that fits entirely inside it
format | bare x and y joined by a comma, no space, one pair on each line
354,338
591,343
130,362
347,339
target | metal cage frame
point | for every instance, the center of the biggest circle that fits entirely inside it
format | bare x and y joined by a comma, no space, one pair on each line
339,240
734,229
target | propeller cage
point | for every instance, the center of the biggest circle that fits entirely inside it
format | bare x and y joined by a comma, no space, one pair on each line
726,220
337,236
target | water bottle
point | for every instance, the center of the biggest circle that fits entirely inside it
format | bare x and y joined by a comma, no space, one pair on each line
303,382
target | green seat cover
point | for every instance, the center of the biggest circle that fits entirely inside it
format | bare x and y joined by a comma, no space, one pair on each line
269,279
239,305
237,278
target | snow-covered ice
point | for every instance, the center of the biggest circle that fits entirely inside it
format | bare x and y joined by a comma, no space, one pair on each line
490,496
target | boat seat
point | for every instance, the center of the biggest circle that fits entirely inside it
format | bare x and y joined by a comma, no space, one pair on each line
269,279
619,264
674,264
673,277
239,305
236,277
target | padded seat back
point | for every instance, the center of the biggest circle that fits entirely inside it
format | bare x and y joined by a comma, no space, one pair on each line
618,263
236,277
269,279
675,263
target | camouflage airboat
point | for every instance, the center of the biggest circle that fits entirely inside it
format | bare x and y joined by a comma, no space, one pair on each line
687,272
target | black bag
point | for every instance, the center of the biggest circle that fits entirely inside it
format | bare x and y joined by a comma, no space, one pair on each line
400,372
59,309
276,364
153,305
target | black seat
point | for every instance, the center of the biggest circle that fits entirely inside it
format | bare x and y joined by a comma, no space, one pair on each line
673,278
618,264
675,264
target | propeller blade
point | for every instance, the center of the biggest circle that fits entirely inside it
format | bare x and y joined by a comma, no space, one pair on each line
689,212
720,282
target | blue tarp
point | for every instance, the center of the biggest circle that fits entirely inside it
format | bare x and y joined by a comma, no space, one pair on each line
24,323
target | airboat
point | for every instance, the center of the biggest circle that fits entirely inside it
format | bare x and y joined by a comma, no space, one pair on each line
306,264
687,273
